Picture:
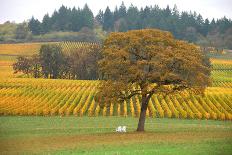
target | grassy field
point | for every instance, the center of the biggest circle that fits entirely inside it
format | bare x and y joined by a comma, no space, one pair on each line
96,135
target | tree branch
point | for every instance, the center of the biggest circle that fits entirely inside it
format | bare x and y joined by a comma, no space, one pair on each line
123,97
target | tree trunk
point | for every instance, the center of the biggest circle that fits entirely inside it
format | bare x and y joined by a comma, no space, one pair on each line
142,116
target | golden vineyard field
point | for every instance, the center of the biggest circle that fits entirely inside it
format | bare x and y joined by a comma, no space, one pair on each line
33,48
68,97
9,53
26,96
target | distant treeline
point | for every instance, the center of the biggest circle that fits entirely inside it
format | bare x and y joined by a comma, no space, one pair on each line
65,19
184,25
79,24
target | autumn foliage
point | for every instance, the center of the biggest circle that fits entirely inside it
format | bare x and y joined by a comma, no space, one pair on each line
147,62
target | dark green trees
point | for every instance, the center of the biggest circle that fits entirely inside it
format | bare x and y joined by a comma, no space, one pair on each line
132,18
28,65
51,60
87,17
99,17
75,19
108,20
65,19
46,24
35,26
188,26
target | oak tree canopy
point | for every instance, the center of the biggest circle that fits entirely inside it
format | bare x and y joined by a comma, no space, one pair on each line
150,61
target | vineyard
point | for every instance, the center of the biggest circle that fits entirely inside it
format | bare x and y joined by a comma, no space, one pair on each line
27,49
9,53
47,97
67,97
116,78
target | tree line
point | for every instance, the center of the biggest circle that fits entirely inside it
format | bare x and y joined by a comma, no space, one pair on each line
65,19
184,25
52,62
170,19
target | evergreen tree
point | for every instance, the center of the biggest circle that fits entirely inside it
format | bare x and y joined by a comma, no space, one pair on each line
206,27
76,19
87,17
212,25
167,11
184,25
54,21
200,24
223,24
116,14
63,19
46,25
120,22
100,16
132,17
175,21
108,21
122,11
35,26
156,17
145,18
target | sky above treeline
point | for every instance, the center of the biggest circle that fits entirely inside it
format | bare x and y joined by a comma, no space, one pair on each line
22,10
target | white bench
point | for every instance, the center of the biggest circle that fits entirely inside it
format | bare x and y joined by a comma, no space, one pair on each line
121,129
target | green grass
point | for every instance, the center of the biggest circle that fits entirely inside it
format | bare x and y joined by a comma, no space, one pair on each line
96,135
208,147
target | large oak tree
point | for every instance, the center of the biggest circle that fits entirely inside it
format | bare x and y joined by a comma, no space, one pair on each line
147,62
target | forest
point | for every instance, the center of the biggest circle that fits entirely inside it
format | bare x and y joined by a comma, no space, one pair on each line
80,24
